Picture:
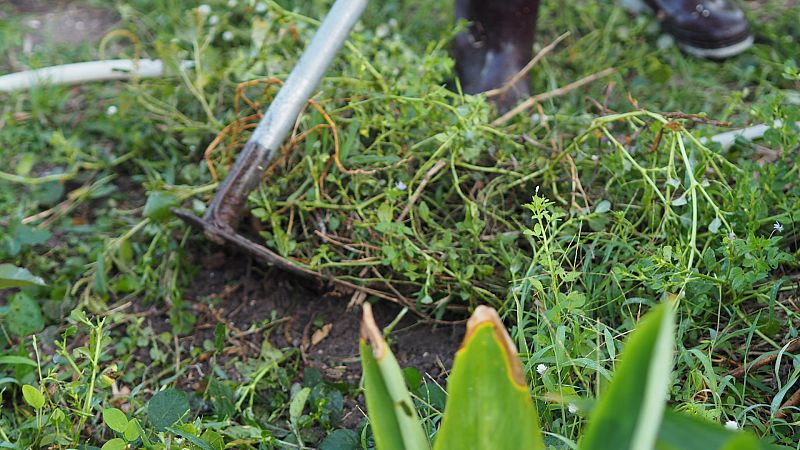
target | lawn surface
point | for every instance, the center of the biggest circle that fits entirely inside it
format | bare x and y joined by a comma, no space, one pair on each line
572,219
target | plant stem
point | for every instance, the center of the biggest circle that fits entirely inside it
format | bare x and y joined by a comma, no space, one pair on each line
94,360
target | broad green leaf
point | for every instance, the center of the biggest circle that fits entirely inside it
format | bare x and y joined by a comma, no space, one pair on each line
684,432
166,408
27,235
628,414
114,444
488,404
33,396
392,416
24,317
115,419
13,276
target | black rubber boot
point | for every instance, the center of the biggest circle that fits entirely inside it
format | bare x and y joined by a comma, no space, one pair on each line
715,29
496,47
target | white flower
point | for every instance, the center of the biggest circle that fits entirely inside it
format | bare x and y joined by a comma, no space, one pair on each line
731,235
777,227
261,7
572,408
204,9
731,425
382,31
213,20
541,368
111,110
665,41
227,36
400,185
232,3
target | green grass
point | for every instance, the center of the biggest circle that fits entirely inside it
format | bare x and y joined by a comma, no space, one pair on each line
572,223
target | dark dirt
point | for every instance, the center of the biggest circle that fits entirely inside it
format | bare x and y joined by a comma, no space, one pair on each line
234,289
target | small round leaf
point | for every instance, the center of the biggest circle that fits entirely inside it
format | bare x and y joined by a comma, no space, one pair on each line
114,444
603,207
115,419
131,431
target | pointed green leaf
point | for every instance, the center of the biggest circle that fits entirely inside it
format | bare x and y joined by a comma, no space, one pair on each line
628,414
488,404
13,276
392,416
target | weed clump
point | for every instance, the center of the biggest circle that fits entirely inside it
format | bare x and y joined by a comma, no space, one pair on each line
394,182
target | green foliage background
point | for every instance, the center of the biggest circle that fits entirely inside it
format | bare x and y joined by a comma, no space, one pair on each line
571,220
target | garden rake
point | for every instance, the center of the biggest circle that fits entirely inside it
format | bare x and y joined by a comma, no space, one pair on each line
223,214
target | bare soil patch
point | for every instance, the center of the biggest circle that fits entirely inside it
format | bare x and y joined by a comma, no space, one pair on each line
237,291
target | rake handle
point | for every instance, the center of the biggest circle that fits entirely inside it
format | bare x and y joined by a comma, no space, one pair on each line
225,209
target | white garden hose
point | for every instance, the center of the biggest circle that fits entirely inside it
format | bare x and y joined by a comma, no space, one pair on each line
113,69
749,134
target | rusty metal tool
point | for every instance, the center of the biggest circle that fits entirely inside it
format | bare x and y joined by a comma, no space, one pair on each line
222,216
